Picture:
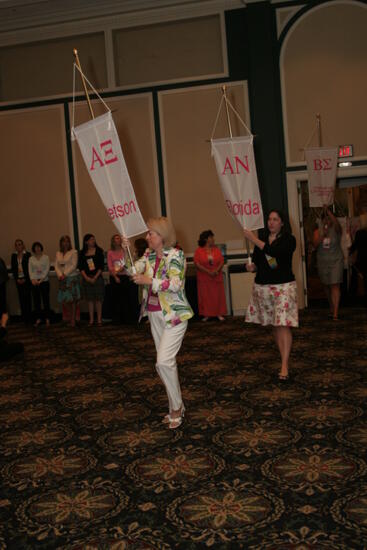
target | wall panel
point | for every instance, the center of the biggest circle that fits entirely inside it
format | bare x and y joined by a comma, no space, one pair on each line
194,198
175,50
324,70
40,69
133,118
35,199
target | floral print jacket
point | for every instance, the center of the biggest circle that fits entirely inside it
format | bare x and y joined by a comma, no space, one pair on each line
168,283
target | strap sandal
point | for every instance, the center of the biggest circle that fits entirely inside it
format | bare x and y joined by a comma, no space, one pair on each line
175,423
167,418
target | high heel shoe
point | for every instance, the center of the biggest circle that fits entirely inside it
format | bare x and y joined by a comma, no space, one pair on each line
167,419
283,377
175,423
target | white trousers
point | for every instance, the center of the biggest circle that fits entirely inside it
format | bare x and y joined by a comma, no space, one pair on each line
168,341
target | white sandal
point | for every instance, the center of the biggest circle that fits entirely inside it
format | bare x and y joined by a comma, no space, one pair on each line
167,419
175,423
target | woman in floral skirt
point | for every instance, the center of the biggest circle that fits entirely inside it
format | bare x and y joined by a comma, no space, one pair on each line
66,267
274,294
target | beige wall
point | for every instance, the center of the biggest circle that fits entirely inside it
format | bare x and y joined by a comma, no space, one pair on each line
194,198
133,118
324,70
35,201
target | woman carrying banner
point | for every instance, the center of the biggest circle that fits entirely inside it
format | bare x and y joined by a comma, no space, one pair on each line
91,265
66,268
209,263
329,258
274,294
161,271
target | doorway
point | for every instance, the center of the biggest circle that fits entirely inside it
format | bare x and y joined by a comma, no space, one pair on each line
350,202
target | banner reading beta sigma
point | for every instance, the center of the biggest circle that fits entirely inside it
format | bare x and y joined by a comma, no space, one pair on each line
102,154
321,168
235,163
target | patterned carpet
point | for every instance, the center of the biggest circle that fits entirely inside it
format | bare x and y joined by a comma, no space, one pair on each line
87,464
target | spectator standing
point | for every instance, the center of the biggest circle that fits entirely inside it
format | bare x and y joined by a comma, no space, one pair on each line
358,252
91,265
330,258
19,268
39,268
3,280
66,268
209,262
118,279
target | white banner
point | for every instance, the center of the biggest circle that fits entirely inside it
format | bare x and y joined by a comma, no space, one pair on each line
235,163
102,154
321,168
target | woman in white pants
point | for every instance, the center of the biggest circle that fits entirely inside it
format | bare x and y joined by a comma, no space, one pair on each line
161,270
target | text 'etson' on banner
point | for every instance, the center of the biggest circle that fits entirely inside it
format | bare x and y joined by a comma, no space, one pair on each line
321,168
101,150
235,163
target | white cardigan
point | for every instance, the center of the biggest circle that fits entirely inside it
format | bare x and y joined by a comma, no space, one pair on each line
66,264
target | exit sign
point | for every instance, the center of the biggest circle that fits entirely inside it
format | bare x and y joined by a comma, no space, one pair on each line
345,151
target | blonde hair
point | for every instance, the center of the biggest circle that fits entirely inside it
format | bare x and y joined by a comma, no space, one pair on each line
165,229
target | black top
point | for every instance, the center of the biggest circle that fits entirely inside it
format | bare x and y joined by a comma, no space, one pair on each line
360,244
277,267
91,264
15,267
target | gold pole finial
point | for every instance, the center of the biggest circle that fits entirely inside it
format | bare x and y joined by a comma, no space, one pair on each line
75,52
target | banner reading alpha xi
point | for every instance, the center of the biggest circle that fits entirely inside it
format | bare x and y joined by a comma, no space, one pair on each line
321,168
102,154
235,163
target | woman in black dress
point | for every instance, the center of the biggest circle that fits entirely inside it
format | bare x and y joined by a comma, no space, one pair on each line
19,268
91,265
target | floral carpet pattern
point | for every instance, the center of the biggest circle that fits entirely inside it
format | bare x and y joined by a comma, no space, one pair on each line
86,463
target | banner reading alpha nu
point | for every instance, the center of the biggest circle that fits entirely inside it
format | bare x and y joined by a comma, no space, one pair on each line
102,154
321,168
235,163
